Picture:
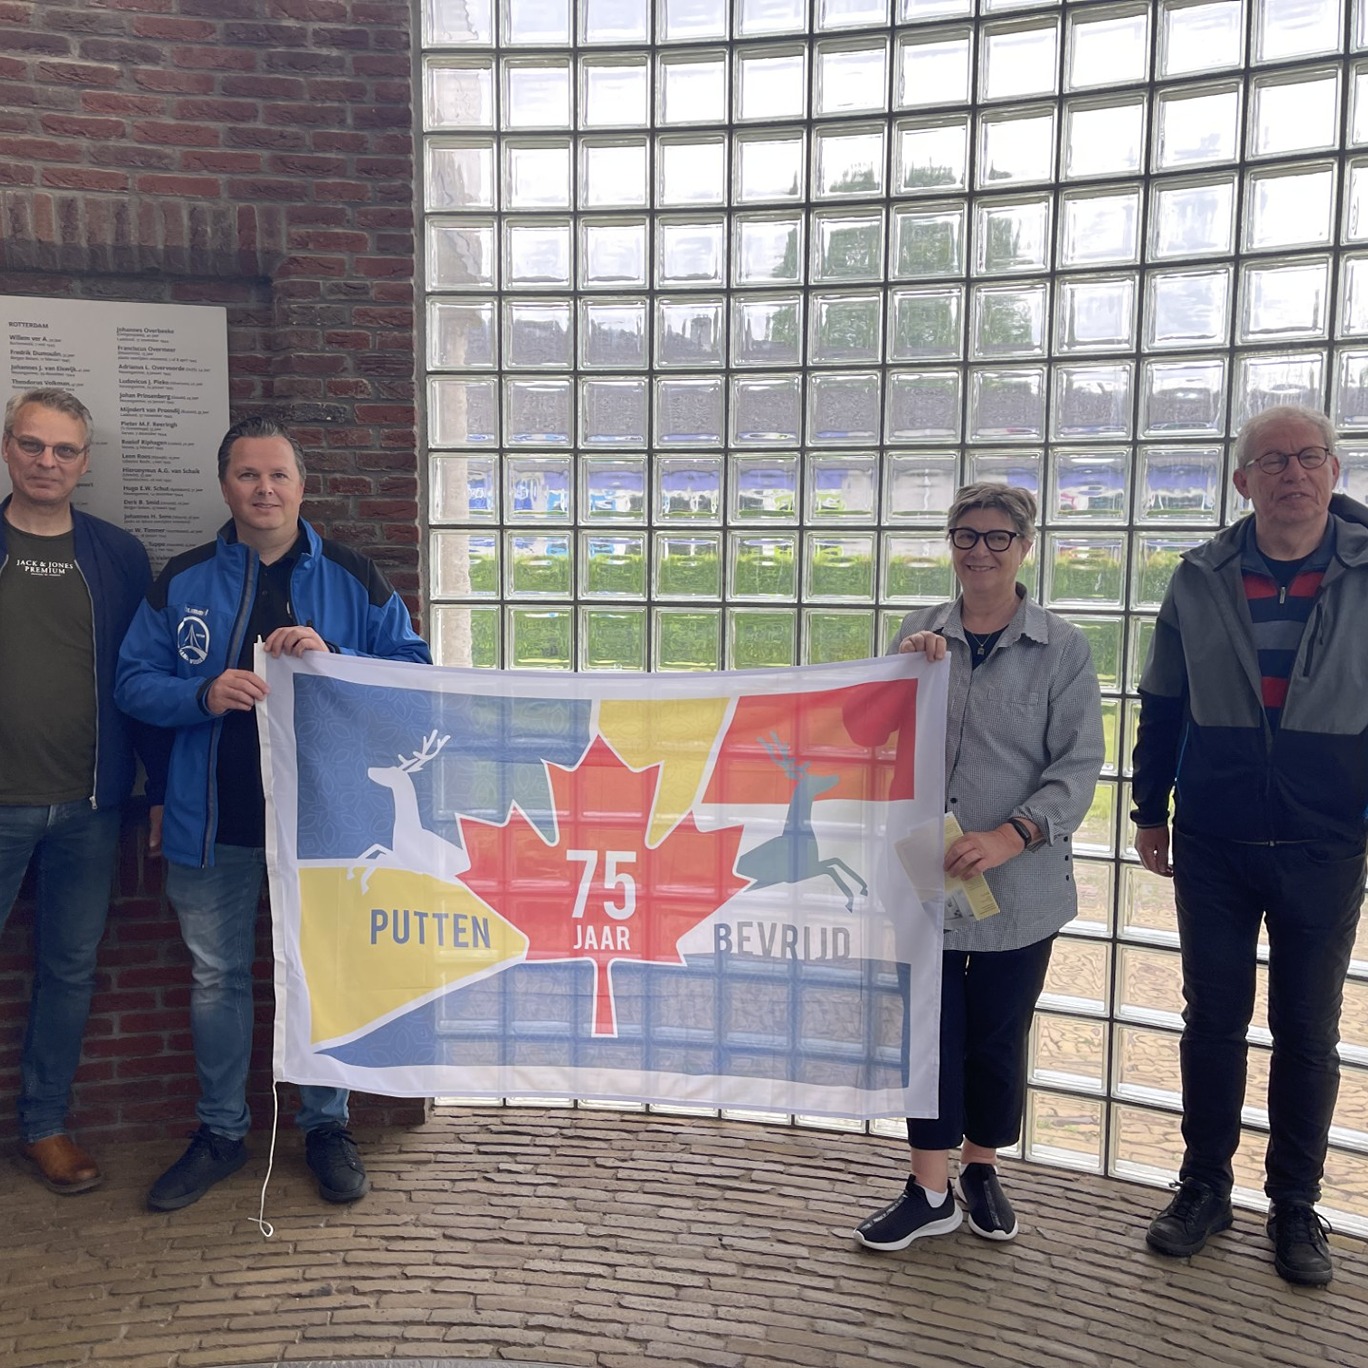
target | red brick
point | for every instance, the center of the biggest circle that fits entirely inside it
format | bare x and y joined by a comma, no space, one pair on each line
313,11
17,173
118,52
163,134
350,191
82,126
348,39
301,164
368,64
213,58
303,113
265,137
173,29
49,44
383,318
174,82
329,241
349,484
335,140
84,178
189,187
385,216
342,90
132,155
233,163
107,102
320,363
383,266
42,150
216,111
259,87
79,73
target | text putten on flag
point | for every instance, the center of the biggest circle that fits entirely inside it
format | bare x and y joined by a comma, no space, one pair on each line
718,890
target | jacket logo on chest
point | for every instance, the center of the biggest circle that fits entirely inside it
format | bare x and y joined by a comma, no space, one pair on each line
192,636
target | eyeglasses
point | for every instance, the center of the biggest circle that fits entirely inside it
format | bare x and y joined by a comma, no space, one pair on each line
63,451
965,538
1275,462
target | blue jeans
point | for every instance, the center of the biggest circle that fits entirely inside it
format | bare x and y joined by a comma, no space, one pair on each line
217,908
74,846
1308,896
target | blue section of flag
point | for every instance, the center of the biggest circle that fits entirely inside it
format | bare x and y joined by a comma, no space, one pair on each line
540,1015
495,758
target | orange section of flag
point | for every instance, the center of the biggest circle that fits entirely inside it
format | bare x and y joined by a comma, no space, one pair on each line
862,737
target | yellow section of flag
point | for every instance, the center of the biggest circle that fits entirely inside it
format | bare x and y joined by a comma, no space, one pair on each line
372,940
678,735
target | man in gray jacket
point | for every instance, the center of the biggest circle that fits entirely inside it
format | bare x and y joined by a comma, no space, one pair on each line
1254,716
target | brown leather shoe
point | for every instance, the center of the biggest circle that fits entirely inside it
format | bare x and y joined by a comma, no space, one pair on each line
62,1165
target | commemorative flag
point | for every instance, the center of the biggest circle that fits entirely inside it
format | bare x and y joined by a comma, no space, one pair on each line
717,890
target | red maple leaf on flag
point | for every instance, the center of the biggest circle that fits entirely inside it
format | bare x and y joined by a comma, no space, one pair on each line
600,892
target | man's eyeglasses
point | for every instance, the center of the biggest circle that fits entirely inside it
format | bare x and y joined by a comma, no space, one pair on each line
965,538
1275,462
63,451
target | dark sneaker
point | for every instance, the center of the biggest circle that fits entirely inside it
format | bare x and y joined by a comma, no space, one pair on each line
990,1213
908,1219
1300,1251
210,1159
331,1154
1196,1213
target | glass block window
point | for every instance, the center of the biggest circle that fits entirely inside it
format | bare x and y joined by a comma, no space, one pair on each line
723,299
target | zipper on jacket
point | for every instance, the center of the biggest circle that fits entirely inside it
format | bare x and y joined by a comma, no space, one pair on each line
234,650
94,678
1317,626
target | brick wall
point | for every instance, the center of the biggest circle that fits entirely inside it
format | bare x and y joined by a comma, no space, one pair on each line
256,154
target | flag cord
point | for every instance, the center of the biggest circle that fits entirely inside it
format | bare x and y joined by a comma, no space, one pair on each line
259,1220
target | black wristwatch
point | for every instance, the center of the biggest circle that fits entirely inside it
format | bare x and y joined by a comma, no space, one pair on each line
1028,841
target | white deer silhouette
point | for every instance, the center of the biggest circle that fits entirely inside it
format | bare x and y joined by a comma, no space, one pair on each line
412,845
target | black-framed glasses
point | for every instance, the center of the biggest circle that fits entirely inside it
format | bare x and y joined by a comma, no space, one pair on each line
63,451
996,539
1275,462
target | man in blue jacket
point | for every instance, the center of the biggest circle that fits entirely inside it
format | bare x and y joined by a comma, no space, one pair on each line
1254,716
69,585
187,664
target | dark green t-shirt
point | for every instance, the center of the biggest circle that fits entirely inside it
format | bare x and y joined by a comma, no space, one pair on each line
47,674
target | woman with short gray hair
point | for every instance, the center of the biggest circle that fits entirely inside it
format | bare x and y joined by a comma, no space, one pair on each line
1023,750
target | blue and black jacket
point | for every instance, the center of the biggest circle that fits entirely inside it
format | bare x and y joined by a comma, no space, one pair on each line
114,566
190,628
1204,735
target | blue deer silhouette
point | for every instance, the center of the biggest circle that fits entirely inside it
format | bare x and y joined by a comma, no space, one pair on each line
793,857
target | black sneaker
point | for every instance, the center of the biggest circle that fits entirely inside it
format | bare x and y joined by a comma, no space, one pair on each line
990,1213
331,1153
209,1159
1301,1253
1196,1213
908,1219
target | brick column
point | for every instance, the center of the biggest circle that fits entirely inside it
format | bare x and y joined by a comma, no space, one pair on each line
256,154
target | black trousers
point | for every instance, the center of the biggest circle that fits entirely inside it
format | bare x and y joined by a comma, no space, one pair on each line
1309,896
987,1001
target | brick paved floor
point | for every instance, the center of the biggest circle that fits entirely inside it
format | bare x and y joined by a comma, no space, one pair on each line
599,1240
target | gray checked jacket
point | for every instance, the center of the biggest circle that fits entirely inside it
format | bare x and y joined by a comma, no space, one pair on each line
1023,739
